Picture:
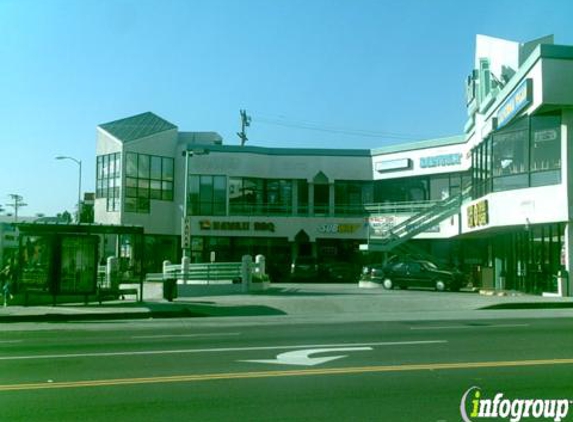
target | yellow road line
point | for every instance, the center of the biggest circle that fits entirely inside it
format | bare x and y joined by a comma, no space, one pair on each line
287,373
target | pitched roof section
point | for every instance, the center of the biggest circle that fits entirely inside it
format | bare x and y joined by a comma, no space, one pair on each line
137,127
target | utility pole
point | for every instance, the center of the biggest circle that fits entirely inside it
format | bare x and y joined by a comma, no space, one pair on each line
245,123
16,204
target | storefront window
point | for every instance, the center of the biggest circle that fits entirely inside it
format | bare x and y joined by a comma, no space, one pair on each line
525,154
302,196
439,187
207,195
400,190
350,197
252,196
545,150
511,157
147,177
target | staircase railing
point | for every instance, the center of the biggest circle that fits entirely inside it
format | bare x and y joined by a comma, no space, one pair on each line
419,222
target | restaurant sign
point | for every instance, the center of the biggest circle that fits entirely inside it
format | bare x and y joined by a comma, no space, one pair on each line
258,226
521,97
478,214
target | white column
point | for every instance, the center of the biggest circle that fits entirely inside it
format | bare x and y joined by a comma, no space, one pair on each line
246,272
567,181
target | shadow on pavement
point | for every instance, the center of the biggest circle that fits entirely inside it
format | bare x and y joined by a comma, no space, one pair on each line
529,305
125,311
294,291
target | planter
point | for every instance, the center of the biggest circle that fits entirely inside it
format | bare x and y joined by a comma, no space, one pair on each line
259,286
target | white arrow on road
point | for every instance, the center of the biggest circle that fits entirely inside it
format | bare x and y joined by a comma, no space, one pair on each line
302,357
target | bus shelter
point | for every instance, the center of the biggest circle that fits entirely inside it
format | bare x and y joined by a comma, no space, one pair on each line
63,259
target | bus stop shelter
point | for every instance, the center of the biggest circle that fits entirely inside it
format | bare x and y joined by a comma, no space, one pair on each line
62,259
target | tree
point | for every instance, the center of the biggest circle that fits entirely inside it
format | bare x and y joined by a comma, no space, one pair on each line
87,214
64,217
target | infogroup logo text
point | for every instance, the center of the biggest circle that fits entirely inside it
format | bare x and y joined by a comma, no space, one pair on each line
512,409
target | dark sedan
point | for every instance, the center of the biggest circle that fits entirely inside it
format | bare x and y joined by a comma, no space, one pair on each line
416,273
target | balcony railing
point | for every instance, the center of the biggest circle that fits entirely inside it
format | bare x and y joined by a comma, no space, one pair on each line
359,210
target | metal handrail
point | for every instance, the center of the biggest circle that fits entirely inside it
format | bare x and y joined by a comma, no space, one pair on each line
421,221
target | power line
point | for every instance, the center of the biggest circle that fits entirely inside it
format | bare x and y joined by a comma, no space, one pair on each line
332,129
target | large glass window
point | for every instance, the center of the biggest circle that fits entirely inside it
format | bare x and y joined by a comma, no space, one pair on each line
302,196
400,190
207,195
545,150
511,157
108,181
147,177
252,196
350,197
524,154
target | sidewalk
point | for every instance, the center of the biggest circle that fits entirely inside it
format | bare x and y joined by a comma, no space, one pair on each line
303,300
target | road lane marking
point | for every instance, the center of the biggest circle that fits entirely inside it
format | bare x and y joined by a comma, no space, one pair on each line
302,357
166,336
278,374
217,350
467,327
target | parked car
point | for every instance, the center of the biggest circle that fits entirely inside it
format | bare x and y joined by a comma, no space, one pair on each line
404,273
304,268
339,272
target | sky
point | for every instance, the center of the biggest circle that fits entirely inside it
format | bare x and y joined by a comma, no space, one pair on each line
310,73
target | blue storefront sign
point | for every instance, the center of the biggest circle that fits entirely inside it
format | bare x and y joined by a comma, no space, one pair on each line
520,98
441,160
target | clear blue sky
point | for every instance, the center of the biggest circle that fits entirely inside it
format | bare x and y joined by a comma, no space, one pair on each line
394,68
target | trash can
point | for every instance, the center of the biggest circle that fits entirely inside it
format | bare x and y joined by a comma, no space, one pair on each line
169,288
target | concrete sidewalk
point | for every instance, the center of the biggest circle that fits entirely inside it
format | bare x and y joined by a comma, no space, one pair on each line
301,300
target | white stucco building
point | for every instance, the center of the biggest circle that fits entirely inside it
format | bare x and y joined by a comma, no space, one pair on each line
494,199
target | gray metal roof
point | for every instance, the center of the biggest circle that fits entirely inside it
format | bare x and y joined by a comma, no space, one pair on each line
137,127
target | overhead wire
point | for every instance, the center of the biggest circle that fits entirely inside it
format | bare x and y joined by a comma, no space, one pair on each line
279,121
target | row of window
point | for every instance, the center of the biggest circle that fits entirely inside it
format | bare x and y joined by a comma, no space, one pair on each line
257,196
108,180
524,154
146,177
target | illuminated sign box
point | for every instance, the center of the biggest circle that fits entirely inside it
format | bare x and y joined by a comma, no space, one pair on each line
393,165
521,98
441,160
478,214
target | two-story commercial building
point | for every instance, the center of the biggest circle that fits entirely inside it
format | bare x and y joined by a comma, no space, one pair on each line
495,198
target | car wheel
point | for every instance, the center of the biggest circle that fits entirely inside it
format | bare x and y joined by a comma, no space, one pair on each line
440,286
388,284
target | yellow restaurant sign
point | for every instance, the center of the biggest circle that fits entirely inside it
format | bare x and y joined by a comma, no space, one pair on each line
478,214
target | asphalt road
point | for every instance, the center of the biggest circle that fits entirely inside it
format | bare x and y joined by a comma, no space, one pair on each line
186,370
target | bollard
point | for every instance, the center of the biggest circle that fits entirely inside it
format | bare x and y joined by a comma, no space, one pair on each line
562,281
246,272
261,264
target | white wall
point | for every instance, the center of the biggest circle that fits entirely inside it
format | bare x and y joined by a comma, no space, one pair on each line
417,155
281,166
557,81
546,204
499,51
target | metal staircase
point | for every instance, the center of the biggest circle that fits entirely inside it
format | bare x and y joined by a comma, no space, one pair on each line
418,223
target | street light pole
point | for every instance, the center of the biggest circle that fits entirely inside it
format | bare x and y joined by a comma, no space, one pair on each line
186,226
79,163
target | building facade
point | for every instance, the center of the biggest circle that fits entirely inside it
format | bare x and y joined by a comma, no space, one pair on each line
494,200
